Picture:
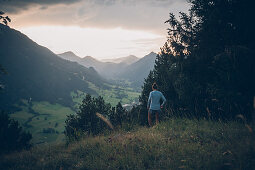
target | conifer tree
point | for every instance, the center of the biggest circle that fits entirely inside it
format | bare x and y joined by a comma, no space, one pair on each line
206,67
86,120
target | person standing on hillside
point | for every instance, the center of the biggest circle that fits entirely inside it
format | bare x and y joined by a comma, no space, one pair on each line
154,105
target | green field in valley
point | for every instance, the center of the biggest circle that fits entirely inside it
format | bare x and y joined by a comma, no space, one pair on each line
112,95
43,120
46,121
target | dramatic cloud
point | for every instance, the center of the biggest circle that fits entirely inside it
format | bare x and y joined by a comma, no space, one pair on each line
128,14
16,6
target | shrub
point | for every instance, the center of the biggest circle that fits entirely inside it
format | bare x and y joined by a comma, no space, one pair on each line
12,137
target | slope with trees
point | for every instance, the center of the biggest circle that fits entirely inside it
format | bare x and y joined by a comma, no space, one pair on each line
206,67
12,136
36,73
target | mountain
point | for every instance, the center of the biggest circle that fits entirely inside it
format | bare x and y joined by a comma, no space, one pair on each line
106,69
34,72
127,60
69,55
125,69
139,70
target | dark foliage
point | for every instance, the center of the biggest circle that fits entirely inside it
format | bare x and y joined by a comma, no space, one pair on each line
2,71
12,137
206,67
118,115
4,19
85,120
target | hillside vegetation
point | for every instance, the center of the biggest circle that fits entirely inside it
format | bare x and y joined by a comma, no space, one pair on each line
173,144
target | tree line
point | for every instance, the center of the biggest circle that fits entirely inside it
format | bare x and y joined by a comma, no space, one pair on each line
206,67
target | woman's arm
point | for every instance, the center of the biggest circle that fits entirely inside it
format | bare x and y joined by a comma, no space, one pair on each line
164,100
149,101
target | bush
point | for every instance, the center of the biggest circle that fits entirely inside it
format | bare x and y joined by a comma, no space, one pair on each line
12,137
85,120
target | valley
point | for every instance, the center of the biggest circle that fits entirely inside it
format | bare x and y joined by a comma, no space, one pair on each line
41,88
131,68
46,121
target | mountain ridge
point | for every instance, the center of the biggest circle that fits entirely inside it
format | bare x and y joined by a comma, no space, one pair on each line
128,60
136,71
106,69
139,70
36,72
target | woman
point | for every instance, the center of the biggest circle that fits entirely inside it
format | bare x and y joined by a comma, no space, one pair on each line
154,103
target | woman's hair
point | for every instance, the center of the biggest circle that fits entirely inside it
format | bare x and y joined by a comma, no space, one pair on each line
154,86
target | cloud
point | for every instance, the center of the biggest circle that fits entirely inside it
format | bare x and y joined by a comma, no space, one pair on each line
130,14
136,18
16,6
148,15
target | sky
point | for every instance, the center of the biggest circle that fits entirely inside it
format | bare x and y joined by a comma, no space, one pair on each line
99,28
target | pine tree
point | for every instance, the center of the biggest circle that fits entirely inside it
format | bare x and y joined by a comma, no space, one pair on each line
85,121
118,115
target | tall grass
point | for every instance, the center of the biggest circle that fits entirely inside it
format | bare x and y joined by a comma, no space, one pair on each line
173,144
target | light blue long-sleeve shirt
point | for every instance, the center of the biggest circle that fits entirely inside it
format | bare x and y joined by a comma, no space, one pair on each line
154,100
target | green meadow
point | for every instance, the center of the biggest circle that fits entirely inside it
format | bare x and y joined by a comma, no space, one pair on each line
46,121
115,94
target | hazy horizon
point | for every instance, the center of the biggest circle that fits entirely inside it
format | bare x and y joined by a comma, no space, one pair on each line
106,59
103,29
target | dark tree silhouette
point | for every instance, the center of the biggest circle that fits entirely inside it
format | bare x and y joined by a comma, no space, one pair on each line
4,19
117,115
12,137
85,120
206,67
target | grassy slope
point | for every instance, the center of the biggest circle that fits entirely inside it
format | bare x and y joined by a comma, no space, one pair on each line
174,144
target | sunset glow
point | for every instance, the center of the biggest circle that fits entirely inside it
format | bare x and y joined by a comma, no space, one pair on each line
99,43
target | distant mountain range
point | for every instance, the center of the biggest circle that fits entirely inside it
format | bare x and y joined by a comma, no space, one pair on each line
34,72
127,60
130,68
139,70
108,70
